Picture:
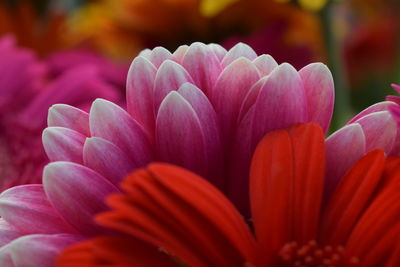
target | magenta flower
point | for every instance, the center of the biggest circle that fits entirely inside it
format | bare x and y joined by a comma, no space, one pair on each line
27,90
203,108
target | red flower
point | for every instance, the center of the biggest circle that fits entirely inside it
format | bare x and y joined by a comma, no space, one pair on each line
187,220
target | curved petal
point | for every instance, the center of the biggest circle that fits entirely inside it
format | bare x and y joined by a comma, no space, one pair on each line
28,210
230,89
343,148
77,193
280,103
351,198
170,76
206,229
156,56
179,134
179,53
114,124
139,92
7,233
380,130
107,159
381,106
286,185
218,50
63,144
265,64
320,93
239,50
202,65
35,250
61,115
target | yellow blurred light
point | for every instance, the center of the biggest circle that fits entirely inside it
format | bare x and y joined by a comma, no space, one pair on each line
312,5
210,8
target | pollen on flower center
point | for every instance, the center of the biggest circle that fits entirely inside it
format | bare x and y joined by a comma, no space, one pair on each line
311,254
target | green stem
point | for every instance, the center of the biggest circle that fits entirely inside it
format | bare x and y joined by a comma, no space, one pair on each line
333,46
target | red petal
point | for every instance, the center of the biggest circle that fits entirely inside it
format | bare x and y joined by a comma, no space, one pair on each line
179,211
286,183
351,198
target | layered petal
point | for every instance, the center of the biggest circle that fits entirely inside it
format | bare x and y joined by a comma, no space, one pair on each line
343,149
77,193
206,229
35,250
63,144
107,159
110,122
28,210
319,92
61,115
239,50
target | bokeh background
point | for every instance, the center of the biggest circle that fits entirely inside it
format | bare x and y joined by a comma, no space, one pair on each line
357,39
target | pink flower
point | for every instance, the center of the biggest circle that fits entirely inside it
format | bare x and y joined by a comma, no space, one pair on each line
201,107
27,90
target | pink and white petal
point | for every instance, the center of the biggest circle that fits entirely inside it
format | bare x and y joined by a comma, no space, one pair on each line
156,56
218,50
107,159
230,89
239,50
63,144
209,124
7,232
265,64
343,148
179,134
139,92
110,122
251,98
280,103
320,93
170,76
203,66
179,53
77,193
380,131
36,250
28,210
62,115
381,106
396,87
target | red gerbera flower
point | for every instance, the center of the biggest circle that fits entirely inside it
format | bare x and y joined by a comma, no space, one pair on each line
170,216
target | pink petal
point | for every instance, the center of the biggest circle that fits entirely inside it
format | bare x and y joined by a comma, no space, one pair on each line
203,66
156,56
380,131
61,115
7,232
209,124
139,92
230,89
280,103
251,97
170,76
180,53
27,209
114,124
179,135
265,64
343,148
107,159
320,93
77,193
63,144
381,106
218,50
35,250
239,50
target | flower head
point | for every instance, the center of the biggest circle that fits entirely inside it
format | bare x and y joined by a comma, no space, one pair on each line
195,224
27,89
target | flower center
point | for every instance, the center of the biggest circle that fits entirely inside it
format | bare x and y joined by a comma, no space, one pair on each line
311,254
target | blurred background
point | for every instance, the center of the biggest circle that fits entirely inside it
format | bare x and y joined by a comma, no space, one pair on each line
357,39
